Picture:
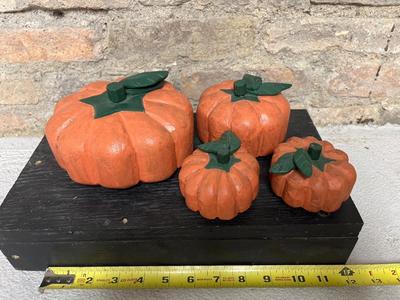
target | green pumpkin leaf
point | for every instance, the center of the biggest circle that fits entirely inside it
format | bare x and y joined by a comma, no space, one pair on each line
127,94
214,163
250,87
228,142
230,139
145,79
252,82
211,147
315,153
247,96
145,90
221,151
321,162
284,164
303,162
271,88
104,107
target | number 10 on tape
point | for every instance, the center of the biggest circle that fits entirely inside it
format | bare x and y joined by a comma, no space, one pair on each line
220,276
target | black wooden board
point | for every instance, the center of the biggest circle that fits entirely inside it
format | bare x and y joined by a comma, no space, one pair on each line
47,219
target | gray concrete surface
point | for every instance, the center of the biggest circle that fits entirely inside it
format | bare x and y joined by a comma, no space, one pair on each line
375,151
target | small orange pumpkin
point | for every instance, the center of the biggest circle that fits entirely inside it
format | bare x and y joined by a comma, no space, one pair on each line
256,112
311,174
220,179
117,134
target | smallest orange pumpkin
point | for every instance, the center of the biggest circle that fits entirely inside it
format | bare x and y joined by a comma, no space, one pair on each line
220,179
311,174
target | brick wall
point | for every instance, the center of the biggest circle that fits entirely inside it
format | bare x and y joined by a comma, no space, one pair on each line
342,56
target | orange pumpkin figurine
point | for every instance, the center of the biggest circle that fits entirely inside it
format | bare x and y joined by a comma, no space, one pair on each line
220,179
116,134
311,174
255,111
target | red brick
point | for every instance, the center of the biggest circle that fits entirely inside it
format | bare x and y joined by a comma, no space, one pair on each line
353,82
66,44
11,123
19,91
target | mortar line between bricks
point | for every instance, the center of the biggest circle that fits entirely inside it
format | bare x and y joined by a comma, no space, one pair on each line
33,7
354,4
70,9
385,49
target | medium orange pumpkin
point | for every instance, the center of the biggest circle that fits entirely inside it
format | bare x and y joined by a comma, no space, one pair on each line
220,179
311,174
256,112
117,134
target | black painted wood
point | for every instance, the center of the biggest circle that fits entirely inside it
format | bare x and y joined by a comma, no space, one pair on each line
44,207
38,256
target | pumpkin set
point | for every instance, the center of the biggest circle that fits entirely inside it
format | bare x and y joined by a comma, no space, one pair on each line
140,129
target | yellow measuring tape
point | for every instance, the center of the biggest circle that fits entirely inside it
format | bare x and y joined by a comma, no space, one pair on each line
220,276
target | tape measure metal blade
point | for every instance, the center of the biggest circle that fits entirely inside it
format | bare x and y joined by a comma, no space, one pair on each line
133,277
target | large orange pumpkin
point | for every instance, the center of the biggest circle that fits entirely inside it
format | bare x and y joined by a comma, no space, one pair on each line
311,174
256,112
220,179
117,134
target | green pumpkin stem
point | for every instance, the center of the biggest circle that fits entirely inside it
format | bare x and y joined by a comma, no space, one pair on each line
252,82
223,155
302,160
250,87
127,94
116,92
221,152
314,150
240,88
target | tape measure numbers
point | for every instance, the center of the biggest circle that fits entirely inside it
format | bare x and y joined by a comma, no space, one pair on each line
220,276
